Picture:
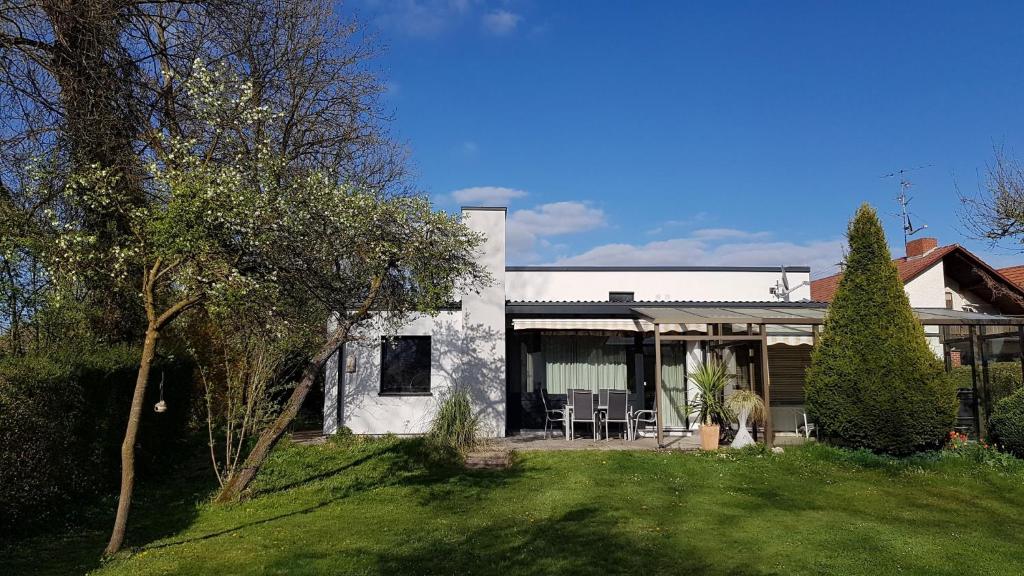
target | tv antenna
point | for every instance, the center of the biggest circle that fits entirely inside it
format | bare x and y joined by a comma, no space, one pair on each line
904,201
782,289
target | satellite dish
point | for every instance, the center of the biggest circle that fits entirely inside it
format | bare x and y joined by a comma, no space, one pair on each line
782,289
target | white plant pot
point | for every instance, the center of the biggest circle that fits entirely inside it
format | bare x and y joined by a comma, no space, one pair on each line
743,437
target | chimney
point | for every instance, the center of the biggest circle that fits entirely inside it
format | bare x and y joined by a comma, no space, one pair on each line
921,246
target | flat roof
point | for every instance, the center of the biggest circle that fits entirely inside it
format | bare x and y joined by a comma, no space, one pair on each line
804,316
777,269
806,313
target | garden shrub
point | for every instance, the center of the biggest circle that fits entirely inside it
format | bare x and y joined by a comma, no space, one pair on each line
873,381
1007,423
62,419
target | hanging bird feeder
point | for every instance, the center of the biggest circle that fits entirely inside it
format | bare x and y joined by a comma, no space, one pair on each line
161,406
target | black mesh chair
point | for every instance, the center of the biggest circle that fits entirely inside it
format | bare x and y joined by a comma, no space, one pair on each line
583,410
618,413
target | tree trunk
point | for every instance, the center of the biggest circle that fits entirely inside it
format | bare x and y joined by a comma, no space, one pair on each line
243,477
128,446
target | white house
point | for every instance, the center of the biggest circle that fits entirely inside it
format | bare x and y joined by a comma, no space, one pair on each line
545,330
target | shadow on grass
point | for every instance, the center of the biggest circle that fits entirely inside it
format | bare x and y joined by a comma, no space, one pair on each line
404,463
159,510
584,540
312,478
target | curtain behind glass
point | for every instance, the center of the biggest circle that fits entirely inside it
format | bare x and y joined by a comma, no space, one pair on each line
673,385
583,362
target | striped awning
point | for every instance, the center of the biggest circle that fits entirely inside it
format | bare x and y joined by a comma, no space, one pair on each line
790,335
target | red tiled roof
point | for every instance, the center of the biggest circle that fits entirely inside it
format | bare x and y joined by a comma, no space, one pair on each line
1014,274
823,289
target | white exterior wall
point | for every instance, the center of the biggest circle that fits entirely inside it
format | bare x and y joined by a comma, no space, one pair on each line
928,290
363,409
483,321
467,349
677,285
967,300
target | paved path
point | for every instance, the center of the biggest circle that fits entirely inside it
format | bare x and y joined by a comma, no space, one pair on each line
531,441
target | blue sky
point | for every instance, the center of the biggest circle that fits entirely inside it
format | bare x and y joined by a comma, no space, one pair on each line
731,133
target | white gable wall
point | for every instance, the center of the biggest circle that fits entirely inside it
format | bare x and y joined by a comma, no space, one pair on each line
928,290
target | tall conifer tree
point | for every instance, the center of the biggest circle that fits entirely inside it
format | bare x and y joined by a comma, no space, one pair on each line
874,381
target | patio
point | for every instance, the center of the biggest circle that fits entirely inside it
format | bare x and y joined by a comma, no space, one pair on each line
645,348
535,441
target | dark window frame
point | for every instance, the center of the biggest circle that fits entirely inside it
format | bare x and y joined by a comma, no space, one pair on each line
621,296
389,372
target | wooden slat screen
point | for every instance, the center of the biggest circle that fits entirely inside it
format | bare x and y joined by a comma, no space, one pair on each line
787,366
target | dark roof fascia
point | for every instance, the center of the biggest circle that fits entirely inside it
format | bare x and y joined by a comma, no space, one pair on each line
806,269
485,208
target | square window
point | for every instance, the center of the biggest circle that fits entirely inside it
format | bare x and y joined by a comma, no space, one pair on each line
405,365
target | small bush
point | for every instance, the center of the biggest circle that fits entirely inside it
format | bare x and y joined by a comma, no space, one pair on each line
1007,423
455,427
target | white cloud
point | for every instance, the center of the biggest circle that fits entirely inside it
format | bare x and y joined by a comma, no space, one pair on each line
716,247
501,22
529,229
692,220
727,233
468,149
487,195
420,18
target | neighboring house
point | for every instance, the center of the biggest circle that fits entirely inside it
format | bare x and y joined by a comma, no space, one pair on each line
640,329
947,277
1014,274
952,278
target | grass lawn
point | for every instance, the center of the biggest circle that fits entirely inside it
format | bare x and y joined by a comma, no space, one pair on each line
374,507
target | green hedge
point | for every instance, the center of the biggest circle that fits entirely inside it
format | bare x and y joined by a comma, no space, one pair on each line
62,418
1003,378
1007,423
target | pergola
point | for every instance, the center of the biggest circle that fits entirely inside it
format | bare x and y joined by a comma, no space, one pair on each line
721,322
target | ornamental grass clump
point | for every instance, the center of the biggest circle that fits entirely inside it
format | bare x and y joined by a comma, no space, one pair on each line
874,382
455,427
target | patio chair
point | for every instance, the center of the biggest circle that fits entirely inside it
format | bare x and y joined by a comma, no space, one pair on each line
617,412
568,408
642,416
583,410
553,415
808,428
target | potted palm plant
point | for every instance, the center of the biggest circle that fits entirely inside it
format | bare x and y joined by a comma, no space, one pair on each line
710,379
745,404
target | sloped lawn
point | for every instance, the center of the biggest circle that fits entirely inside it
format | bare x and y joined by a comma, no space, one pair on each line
376,507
